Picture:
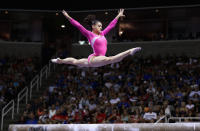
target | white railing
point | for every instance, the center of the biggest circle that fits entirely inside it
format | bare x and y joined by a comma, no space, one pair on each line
20,97
49,71
44,71
160,119
34,83
4,112
181,118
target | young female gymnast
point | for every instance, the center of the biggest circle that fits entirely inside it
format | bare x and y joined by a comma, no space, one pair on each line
97,40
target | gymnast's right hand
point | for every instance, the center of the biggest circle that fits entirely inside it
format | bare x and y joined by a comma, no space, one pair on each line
57,60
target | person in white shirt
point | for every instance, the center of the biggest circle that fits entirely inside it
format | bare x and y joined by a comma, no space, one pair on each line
109,84
168,111
151,89
114,99
150,116
52,111
92,105
195,91
190,105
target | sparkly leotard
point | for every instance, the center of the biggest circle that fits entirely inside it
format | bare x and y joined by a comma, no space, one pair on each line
98,42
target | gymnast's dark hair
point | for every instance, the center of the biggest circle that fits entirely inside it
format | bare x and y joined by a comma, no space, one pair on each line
91,20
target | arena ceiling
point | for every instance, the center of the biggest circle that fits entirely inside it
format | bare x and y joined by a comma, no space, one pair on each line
79,5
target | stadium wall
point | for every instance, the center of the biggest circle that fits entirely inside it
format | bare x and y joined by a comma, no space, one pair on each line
190,48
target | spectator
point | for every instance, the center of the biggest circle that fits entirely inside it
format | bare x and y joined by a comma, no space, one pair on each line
101,116
167,110
31,119
150,116
59,117
92,105
52,111
114,99
44,117
151,89
183,110
195,91
160,116
113,116
190,105
125,116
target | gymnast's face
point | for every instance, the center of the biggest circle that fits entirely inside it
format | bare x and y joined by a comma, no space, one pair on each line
97,27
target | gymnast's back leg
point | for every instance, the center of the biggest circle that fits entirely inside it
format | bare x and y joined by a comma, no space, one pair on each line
72,61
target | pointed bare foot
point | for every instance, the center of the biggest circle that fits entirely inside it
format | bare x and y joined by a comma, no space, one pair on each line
57,61
134,50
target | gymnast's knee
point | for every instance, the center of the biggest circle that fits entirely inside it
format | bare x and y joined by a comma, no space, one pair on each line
75,62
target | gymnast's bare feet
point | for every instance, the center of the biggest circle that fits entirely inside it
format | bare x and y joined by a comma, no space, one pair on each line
57,60
134,50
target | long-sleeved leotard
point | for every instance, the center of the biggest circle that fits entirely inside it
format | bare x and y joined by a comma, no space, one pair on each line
98,42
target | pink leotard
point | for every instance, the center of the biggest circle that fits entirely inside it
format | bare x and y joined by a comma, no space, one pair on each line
98,42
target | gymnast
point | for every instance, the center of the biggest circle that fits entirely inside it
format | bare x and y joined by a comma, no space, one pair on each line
98,42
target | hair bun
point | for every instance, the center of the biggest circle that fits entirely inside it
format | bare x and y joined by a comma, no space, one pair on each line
88,20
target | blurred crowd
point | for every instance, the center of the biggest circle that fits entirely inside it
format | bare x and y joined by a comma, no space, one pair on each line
15,74
136,90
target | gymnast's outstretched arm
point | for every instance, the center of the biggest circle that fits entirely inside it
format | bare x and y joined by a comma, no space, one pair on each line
75,23
113,22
